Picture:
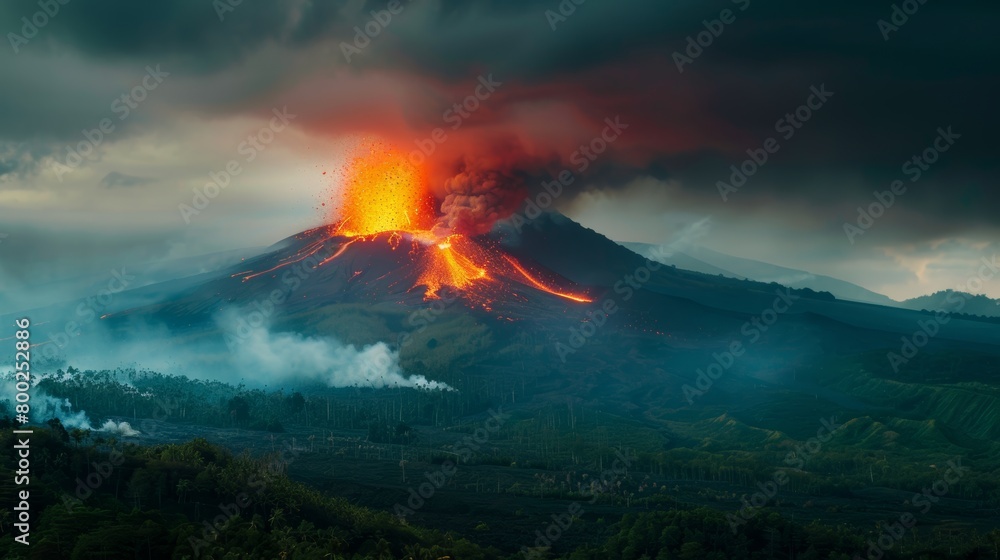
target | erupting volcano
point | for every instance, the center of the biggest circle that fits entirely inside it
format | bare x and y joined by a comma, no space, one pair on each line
385,199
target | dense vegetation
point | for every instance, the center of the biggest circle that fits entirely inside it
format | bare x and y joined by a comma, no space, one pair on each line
160,502
193,500
689,473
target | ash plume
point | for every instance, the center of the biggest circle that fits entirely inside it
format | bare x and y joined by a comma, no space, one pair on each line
478,196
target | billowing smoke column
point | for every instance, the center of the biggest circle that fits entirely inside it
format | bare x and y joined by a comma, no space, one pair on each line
45,407
477,196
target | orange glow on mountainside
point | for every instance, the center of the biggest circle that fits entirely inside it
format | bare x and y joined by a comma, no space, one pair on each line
383,192
452,262
534,282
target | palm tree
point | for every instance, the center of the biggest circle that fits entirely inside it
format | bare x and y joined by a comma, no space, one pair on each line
277,517
79,436
182,488
382,550
402,463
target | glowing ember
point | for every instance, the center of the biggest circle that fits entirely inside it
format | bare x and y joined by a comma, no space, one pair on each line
383,191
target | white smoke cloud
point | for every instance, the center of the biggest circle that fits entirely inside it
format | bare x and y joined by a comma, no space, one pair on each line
123,429
45,407
293,357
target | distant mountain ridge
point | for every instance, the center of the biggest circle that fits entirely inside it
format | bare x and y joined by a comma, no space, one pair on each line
700,259
955,302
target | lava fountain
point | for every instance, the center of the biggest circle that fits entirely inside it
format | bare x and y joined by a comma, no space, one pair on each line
384,193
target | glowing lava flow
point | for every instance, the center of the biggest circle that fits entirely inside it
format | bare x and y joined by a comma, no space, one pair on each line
543,287
338,253
449,264
308,251
383,193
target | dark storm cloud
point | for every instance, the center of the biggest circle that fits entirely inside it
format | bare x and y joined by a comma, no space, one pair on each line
190,29
604,59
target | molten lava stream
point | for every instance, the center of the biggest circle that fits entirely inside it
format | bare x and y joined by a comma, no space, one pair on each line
534,282
339,252
448,263
302,254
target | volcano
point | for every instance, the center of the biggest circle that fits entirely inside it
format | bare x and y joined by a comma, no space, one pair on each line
552,302
384,202
413,266
387,267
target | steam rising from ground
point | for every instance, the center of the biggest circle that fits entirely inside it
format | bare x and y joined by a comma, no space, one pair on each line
255,355
45,407
121,429
295,357
290,356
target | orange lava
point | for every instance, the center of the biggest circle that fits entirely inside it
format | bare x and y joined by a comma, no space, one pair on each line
383,191
302,254
534,282
451,262
338,253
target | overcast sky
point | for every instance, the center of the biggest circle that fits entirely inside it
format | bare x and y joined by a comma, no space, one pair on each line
214,76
